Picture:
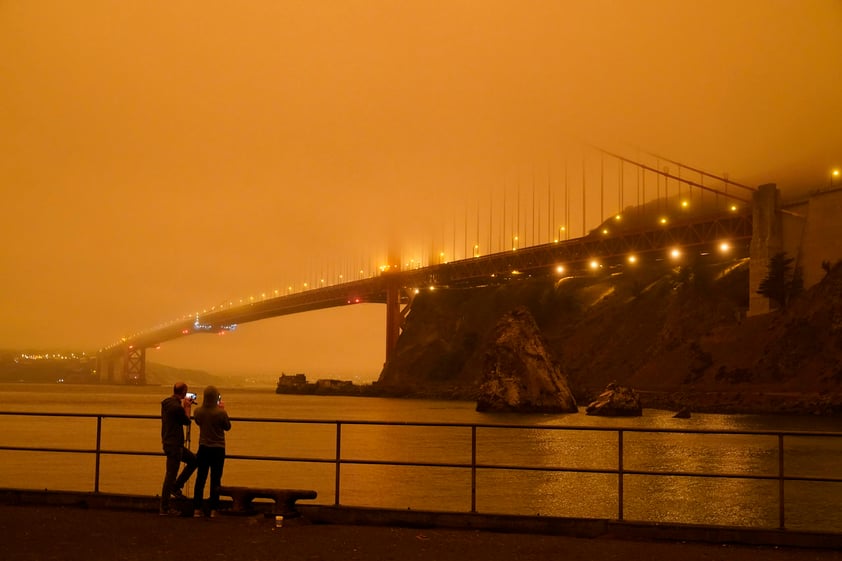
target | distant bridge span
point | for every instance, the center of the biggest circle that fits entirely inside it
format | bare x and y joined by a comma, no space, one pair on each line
126,360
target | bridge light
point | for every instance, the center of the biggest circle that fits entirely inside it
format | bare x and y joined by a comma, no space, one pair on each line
663,220
605,231
724,247
618,217
559,269
675,253
685,204
834,174
594,264
733,208
632,259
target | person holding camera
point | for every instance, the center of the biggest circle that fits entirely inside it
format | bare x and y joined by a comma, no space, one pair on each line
213,422
175,415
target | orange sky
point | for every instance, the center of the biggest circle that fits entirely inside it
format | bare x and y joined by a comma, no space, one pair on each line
160,157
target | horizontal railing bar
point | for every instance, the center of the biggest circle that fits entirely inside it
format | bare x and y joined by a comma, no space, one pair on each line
87,415
479,466
59,450
458,425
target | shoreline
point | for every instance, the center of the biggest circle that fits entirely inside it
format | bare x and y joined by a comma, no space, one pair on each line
739,402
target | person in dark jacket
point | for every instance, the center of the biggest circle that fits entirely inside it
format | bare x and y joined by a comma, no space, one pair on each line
213,422
175,415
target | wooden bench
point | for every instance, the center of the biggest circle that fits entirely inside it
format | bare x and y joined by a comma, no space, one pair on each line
242,497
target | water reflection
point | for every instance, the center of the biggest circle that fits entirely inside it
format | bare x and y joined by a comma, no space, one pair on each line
697,499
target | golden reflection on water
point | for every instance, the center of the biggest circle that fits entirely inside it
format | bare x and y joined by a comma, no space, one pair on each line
443,486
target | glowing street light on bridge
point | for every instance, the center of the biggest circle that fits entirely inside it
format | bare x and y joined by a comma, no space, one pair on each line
632,259
559,269
675,253
594,264
724,247
834,175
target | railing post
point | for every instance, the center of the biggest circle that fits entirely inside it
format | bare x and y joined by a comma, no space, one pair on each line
338,462
620,474
473,469
98,445
780,481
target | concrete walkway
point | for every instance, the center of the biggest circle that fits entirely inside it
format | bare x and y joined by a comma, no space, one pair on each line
35,532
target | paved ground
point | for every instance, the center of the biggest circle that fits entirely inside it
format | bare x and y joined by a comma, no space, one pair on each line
69,534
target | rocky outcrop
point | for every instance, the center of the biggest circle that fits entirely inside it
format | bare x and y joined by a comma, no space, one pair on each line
680,337
519,373
616,401
683,413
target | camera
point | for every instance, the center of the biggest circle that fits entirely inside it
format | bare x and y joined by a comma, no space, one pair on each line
191,397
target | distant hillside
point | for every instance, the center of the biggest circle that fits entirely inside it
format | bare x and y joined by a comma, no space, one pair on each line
160,374
82,371
680,335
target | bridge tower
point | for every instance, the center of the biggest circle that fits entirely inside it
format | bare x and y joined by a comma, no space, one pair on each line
122,365
766,241
394,318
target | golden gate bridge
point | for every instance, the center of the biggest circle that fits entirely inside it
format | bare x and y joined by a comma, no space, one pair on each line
698,213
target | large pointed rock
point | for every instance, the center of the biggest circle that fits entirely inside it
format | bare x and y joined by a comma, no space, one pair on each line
519,373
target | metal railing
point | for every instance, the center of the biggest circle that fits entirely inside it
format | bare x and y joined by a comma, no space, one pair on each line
338,461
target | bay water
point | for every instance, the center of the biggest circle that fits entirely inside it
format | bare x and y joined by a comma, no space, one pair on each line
378,440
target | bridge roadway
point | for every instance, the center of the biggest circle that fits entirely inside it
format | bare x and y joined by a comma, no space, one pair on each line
395,289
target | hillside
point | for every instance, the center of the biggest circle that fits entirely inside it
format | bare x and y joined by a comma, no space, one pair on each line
677,335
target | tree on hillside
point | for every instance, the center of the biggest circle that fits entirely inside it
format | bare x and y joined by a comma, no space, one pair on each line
783,281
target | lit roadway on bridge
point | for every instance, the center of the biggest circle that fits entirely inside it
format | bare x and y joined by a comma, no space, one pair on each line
569,257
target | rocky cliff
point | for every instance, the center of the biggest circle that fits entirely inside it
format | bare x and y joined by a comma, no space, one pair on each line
677,335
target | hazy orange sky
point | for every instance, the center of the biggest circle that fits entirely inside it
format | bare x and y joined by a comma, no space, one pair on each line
161,157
